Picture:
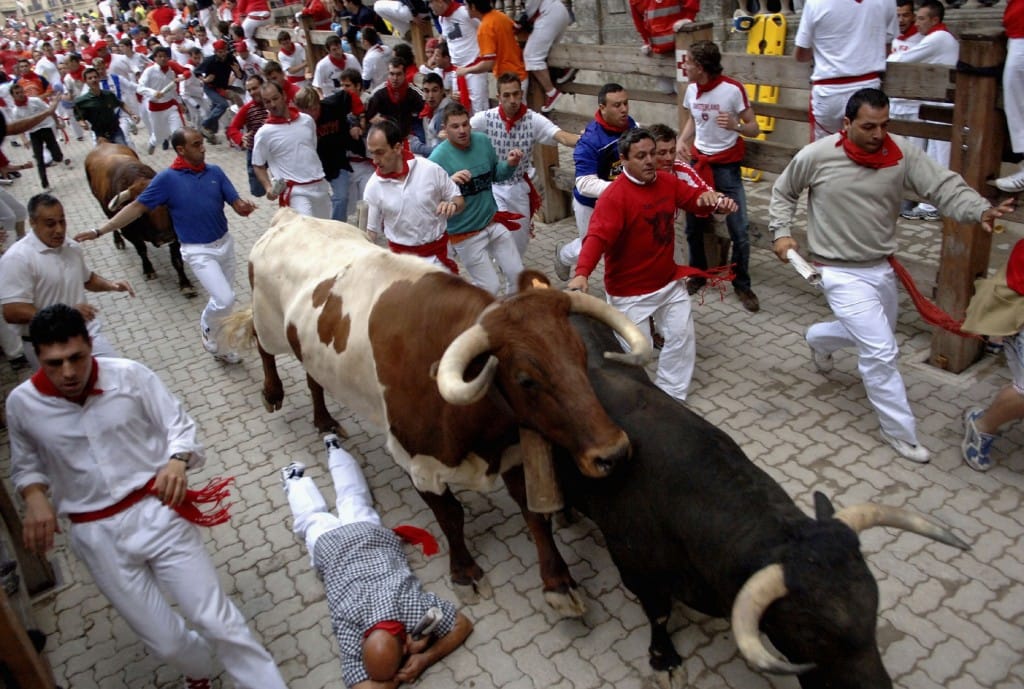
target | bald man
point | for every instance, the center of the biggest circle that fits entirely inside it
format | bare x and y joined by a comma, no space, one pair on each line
389,630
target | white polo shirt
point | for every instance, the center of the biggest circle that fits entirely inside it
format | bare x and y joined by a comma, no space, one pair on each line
848,37
33,273
405,210
327,75
288,61
289,150
375,64
728,96
459,31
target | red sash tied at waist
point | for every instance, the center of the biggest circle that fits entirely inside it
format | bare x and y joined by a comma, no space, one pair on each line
834,81
285,199
436,249
214,492
165,105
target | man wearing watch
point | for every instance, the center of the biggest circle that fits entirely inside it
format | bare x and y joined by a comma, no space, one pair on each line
719,113
104,443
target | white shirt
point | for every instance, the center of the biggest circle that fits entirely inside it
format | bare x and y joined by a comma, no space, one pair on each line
48,70
405,210
900,44
179,51
288,61
729,97
289,150
122,67
252,64
936,48
34,106
459,31
327,75
95,454
33,273
154,80
848,37
375,64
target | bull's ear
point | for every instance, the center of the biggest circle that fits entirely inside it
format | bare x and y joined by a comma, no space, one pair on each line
533,279
822,507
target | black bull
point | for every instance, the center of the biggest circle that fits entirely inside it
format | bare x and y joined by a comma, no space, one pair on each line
690,518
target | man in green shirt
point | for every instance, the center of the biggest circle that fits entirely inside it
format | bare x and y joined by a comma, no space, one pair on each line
100,110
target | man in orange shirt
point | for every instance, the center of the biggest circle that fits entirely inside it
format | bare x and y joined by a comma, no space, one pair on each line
496,36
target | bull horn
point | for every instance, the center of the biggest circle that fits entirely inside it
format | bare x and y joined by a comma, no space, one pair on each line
640,349
119,200
452,367
860,517
761,590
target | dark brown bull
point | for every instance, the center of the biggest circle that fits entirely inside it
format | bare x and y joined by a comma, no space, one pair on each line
116,177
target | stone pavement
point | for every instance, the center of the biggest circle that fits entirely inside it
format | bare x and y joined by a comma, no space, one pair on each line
948,619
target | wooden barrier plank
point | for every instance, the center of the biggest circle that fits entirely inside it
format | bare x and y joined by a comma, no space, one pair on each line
618,59
634,94
17,652
37,572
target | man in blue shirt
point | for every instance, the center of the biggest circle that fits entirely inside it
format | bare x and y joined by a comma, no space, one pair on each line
195,194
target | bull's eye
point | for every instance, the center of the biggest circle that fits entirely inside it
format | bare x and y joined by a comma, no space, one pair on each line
526,382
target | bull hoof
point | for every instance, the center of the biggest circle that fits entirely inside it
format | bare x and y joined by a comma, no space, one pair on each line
566,517
470,594
673,678
189,291
329,426
569,604
119,243
271,406
151,276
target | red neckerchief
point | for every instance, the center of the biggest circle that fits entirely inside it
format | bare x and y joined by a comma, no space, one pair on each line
939,27
410,73
414,535
77,74
45,387
340,64
427,111
511,121
287,52
397,95
1015,268
452,6
392,627
23,101
912,31
712,83
164,68
887,156
406,157
293,114
182,164
608,127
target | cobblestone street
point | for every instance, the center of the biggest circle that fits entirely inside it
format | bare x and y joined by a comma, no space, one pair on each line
948,619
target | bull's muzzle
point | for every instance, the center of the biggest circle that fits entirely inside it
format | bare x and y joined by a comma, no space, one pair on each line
599,462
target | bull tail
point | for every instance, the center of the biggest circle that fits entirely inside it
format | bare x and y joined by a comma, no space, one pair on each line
239,331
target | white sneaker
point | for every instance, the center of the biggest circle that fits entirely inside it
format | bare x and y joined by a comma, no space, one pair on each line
209,344
915,453
822,360
228,357
1011,184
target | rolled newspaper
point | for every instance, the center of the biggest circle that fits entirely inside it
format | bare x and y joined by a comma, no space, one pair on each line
806,270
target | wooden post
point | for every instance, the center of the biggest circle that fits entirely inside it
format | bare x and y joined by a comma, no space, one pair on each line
420,32
36,570
977,144
17,652
716,249
555,203
314,52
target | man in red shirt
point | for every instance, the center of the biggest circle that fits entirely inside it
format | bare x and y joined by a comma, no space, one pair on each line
633,227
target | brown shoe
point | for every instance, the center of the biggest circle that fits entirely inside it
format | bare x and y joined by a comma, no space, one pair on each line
658,340
694,285
749,300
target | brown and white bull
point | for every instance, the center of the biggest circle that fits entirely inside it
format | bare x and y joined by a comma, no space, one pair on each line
374,329
116,177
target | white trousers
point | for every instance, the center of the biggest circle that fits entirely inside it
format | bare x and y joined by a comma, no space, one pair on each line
477,84
147,552
395,13
214,267
163,123
251,23
865,302
313,200
828,105
673,317
570,253
515,198
1013,92
496,242
12,211
548,29
354,503
10,340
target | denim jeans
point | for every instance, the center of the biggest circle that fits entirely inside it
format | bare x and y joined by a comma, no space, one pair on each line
219,105
729,182
254,183
339,198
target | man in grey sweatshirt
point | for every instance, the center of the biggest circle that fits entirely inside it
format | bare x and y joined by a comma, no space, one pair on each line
856,179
